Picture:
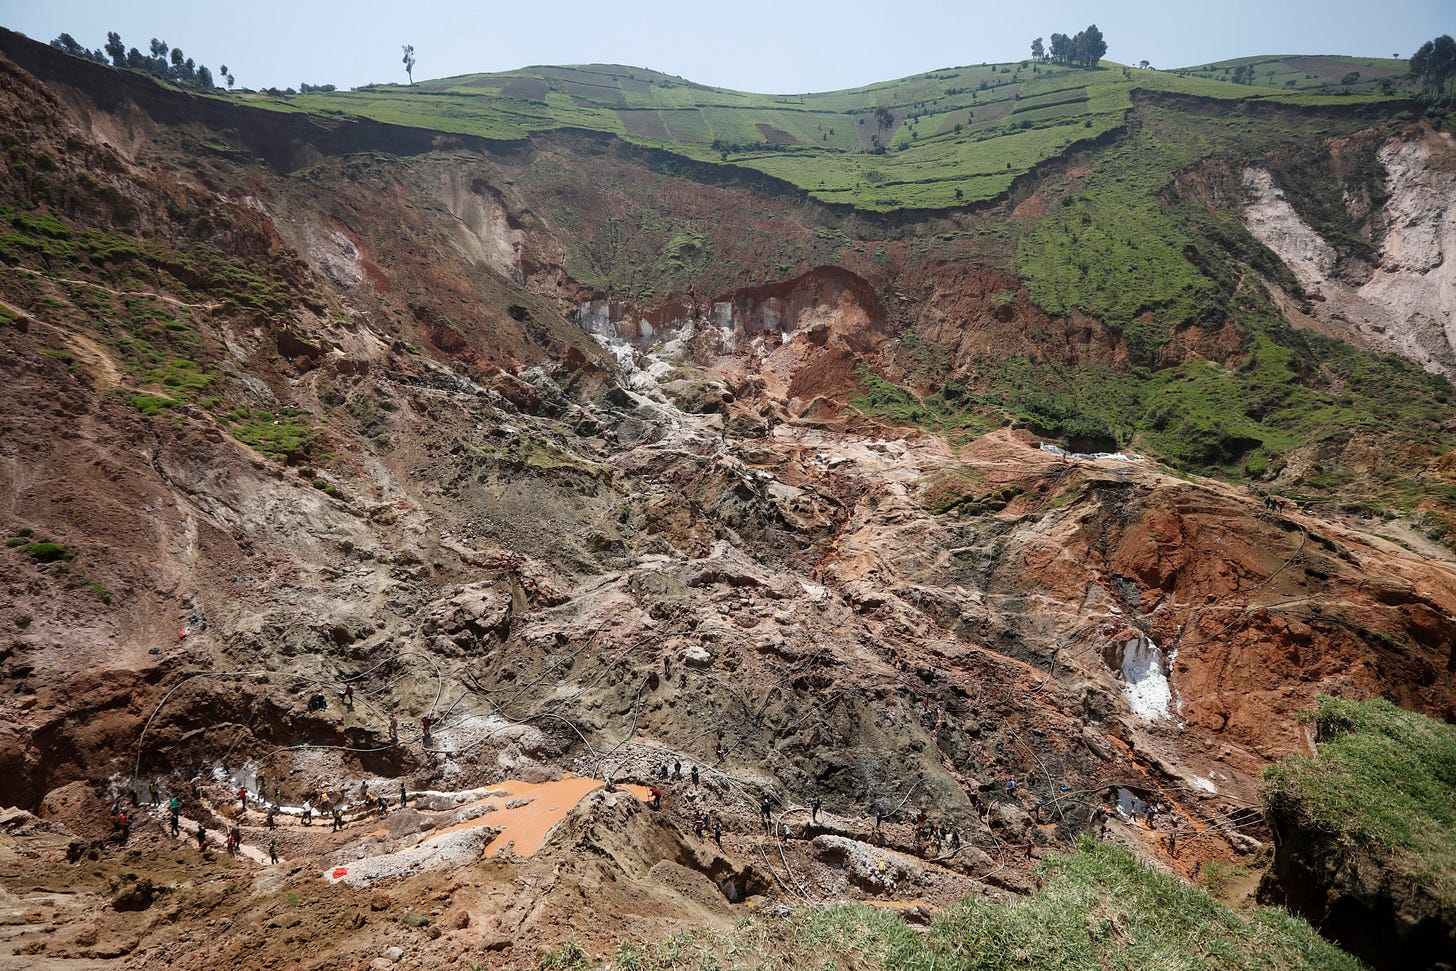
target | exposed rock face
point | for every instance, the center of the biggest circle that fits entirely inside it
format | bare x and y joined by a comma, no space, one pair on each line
1407,304
826,299
417,474
1356,901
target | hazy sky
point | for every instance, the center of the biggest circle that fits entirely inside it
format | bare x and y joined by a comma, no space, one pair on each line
753,45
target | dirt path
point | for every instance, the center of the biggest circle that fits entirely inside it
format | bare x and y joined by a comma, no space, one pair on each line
209,306
91,354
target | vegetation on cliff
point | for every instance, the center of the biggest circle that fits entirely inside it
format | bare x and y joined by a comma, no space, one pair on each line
1097,908
1382,782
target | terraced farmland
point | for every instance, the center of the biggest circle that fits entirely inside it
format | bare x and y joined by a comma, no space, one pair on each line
949,137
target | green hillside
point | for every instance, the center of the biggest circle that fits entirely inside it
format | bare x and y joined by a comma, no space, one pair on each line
944,138
1312,71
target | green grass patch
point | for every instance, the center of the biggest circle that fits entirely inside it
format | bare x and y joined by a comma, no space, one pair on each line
538,454
183,379
152,404
47,552
39,237
283,435
1282,390
1381,781
950,409
1097,908
570,956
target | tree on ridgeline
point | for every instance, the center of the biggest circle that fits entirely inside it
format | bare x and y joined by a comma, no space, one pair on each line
1434,65
409,61
1088,47
1037,50
164,60
1061,47
67,43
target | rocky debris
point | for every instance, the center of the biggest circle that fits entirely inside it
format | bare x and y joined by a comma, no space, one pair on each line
875,870
511,549
15,821
136,894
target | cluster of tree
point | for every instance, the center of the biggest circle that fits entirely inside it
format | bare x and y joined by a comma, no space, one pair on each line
163,61
1434,65
67,43
1085,48
741,148
1243,74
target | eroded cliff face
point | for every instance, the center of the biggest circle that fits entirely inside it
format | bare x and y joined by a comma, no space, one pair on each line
403,448
1351,895
1406,302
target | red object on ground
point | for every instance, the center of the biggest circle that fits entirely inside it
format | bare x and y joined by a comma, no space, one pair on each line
340,872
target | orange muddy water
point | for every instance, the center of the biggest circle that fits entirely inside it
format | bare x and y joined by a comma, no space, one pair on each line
526,826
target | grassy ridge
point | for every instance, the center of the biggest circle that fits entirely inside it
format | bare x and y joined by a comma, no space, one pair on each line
933,140
1097,908
1382,779
1308,71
